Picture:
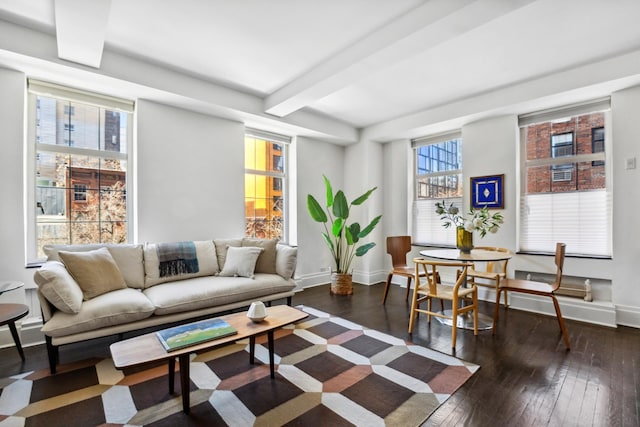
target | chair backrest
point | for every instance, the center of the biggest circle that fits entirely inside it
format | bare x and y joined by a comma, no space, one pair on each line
433,277
398,247
494,266
559,259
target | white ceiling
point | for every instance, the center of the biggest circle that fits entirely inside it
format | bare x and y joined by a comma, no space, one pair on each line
332,68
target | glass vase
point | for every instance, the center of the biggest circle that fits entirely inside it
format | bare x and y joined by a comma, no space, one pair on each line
464,240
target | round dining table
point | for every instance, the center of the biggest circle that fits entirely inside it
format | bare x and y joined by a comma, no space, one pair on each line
465,320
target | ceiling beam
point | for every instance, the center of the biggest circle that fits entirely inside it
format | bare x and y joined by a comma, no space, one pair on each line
424,27
81,27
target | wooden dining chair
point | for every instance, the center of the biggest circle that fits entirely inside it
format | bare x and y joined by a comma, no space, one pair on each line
489,273
463,299
536,288
398,247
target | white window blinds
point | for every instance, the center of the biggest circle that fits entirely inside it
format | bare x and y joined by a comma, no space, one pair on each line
566,198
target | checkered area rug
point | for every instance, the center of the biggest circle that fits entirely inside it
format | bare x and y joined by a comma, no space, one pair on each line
329,371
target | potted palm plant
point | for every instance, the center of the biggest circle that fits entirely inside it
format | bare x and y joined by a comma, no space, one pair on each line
341,237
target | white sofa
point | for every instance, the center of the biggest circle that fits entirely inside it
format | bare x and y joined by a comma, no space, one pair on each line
92,291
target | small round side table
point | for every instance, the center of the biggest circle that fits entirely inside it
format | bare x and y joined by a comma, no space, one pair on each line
9,313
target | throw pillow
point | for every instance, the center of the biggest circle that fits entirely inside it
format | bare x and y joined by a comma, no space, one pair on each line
221,249
58,287
286,260
96,272
241,261
128,257
267,260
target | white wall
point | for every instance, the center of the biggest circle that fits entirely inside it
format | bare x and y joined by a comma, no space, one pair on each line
190,175
12,235
314,159
625,111
12,248
363,171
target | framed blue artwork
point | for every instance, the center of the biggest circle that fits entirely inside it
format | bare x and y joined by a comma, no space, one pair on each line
487,191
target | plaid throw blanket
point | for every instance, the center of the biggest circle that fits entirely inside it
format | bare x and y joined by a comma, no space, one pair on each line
177,258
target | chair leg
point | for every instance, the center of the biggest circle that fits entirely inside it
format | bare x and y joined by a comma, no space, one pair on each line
475,312
454,324
406,297
429,300
414,304
386,288
497,310
561,322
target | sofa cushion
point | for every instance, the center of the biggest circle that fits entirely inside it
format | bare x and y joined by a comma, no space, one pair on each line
203,292
127,256
165,262
221,249
267,260
110,309
286,257
241,262
96,272
58,287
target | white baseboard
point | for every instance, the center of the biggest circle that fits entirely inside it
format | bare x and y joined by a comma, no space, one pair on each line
322,278
313,279
28,331
595,312
628,316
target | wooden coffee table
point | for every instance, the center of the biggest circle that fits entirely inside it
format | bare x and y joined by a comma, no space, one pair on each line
146,349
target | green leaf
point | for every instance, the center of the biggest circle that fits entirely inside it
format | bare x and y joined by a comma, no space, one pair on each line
340,206
364,249
354,229
370,227
348,236
364,197
315,210
329,241
329,191
336,229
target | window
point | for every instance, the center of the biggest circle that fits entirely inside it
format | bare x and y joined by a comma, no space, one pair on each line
266,184
565,194
67,201
562,146
597,144
438,176
79,193
278,164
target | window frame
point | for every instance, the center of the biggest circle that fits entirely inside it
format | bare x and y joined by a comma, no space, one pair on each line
285,142
33,146
438,236
603,195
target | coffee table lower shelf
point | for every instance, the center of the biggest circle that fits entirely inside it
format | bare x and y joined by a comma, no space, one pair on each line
146,349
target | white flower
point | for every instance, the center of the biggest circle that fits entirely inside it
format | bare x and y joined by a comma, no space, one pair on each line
478,222
494,229
469,226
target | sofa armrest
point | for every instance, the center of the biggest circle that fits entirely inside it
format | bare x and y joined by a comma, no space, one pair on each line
286,260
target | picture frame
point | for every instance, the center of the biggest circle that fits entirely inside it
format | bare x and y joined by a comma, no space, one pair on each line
487,191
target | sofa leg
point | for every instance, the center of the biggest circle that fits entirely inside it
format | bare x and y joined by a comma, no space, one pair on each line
289,301
52,351
269,303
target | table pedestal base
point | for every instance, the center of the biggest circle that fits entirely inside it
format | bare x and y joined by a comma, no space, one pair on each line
465,321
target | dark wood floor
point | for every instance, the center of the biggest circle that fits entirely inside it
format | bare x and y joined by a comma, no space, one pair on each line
527,378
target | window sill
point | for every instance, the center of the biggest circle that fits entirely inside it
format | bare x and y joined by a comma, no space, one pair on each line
604,257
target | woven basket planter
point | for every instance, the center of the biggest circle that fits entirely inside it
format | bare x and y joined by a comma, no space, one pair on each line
341,284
